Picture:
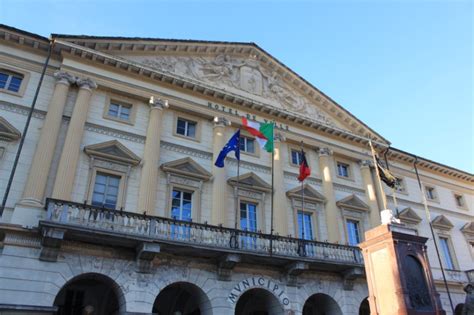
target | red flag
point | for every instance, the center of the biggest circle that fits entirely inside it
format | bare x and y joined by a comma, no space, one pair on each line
305,171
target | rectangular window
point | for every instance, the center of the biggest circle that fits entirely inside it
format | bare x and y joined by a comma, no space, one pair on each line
342,169
10,81
186,128
247,144
448,259
296,157
430,193
248,222
305,225
459,200
353,232
181,205
106,190
119,110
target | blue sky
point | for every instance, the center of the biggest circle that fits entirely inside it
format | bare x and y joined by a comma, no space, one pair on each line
405,68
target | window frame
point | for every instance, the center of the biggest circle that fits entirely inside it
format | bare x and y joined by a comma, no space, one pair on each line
183,190
349,169
255,145
435,193
314,223
403,185
359,230
24,82
195,199
189,118
451,252
260,215
121,189
463,198
120,100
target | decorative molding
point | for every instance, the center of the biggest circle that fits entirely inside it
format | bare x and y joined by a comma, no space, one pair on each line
115,133
468,228
158,103
86,83
22,110
250,181
408,215
365,163
221,121
349,189
250,166
310,180
22,239
442,223
64,77
310,194
186,150
325,152
114,151
7,131
353,202
186,167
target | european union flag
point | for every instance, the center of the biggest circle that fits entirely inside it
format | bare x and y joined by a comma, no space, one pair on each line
232,145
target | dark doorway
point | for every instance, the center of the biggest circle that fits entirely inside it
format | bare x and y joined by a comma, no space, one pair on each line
364,308
182,298
321,304
459,308
258,302
90,294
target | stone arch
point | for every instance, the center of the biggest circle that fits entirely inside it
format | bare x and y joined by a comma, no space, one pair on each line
333,288
458,310
260,301
319,304
90,291
364,308
182,298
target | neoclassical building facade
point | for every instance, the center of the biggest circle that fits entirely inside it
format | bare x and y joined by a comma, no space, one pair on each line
116,205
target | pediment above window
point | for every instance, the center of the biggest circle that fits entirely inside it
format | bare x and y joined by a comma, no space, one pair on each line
441,222
113,151
7,131
250,181
310,194
468,229
408,215
353,202
186,167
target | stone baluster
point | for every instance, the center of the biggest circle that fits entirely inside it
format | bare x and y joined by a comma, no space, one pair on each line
70,154
33,193
219,185
369,186
151,158
332,212
280,208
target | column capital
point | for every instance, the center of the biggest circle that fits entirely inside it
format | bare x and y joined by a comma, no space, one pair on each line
325,152
86,83
279,137
64,77
221,122
365,163
158,103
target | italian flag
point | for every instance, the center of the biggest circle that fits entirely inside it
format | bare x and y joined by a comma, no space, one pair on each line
263,133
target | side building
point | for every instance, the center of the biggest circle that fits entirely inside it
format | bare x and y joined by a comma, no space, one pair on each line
116,206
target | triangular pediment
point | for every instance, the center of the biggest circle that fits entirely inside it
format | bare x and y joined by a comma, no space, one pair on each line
113,151
353,202
441,222
251,181
186,167
409,215
7,131
468,228
310,194
242,71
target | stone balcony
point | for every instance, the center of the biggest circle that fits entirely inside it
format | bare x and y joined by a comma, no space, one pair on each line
453,276
149,235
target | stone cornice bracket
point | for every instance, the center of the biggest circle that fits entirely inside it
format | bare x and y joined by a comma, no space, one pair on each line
349,276
64,77
145,253
158,103
86,83
325,152
365,163
225,266
279,137
221,122
51,243
293,270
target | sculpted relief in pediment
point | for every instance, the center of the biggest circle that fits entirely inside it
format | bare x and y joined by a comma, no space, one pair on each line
243,74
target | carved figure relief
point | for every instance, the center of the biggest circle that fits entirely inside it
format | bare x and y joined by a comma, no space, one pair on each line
244,74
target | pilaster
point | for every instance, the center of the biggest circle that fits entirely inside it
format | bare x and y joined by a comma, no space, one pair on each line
280,215
36,183
366,171
332,211
151,158
219,184
70,154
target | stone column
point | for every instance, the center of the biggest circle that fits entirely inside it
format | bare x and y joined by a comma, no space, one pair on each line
219,185
280,208
332,212
36,183
370,192
70,155
151,158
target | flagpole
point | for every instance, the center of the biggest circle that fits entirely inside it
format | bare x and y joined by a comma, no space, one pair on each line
237,205
382,192
271,207
428,217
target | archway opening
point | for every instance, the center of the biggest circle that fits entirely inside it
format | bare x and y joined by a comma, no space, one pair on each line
182,298
364,308
321,304
459,309
89,294
258,302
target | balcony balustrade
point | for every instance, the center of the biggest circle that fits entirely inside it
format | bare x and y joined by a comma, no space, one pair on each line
71,216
